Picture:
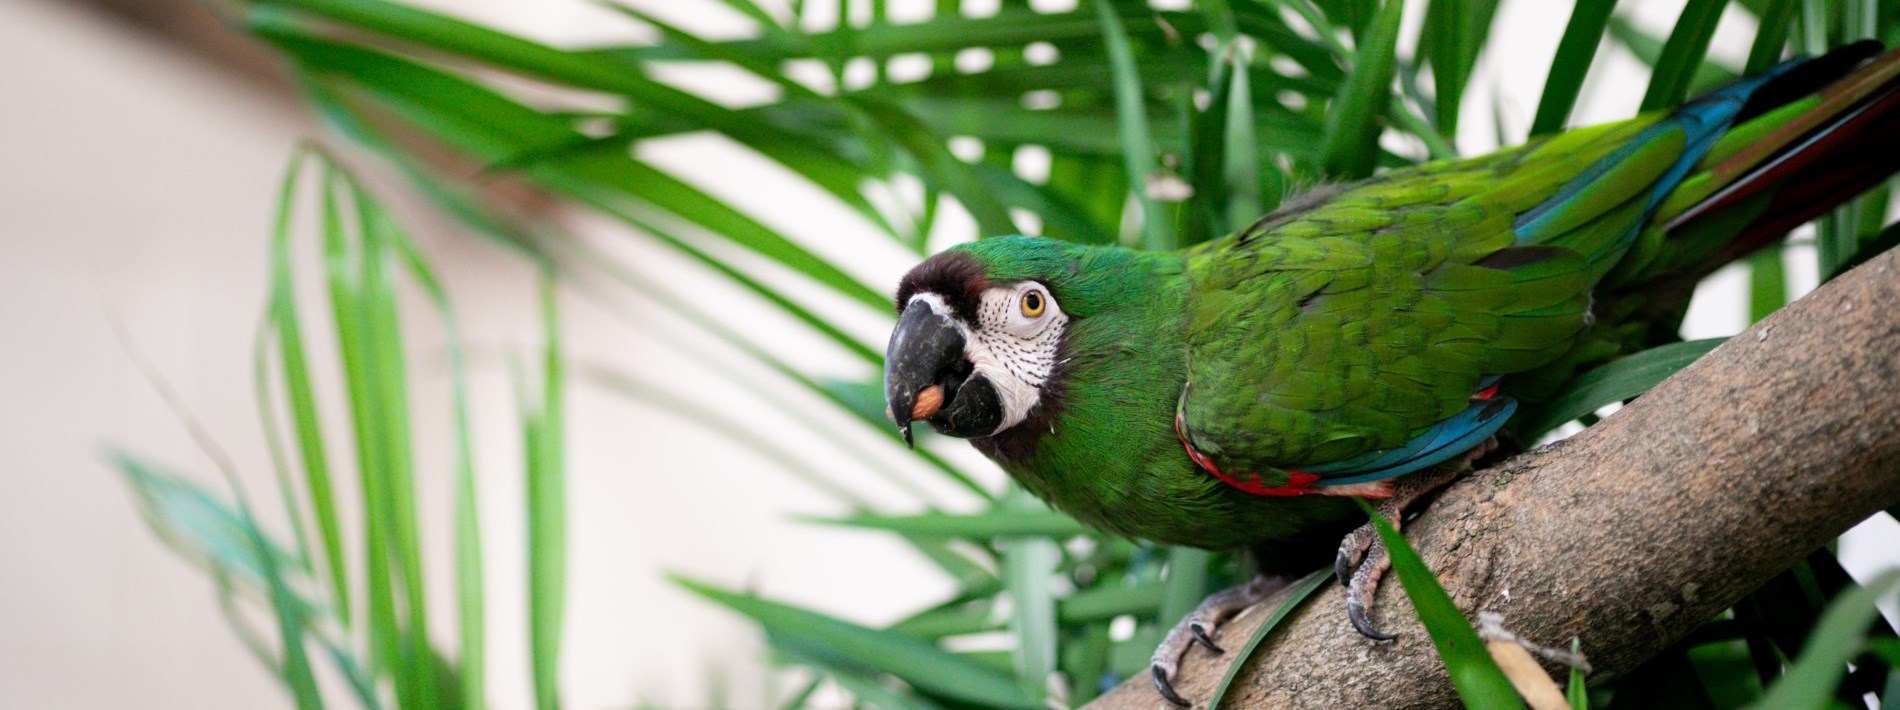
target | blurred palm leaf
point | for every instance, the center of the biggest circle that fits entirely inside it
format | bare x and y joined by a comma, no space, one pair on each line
923,665
1573,60
385,651
1839,636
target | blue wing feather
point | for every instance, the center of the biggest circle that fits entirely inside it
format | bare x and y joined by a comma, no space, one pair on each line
1447,439
1701,121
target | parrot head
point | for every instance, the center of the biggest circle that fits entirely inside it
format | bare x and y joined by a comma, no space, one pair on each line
979,336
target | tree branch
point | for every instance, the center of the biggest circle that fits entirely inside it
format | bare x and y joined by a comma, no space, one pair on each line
1634,532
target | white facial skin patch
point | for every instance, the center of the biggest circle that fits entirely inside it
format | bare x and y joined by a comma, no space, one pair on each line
1014,345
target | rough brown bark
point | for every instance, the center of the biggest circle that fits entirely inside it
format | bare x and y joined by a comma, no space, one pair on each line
1634,532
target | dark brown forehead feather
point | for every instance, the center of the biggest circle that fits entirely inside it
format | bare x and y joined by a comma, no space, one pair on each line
957,277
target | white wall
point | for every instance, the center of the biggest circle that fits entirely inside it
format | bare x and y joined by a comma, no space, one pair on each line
136,184
139,186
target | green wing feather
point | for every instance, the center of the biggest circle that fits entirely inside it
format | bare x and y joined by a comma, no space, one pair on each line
1357,321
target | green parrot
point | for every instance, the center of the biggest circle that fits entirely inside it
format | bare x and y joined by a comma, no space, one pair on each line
1369,339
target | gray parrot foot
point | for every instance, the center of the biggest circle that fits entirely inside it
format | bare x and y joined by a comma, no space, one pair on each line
1362,561
1363,584
1200,626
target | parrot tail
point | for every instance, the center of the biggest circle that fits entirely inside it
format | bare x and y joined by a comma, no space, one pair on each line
1766,154
1814,135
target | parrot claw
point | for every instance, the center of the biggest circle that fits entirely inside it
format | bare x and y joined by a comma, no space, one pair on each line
1356,613
1165,688
1361,565
1200,637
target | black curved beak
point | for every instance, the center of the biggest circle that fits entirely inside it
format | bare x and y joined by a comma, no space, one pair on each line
926,349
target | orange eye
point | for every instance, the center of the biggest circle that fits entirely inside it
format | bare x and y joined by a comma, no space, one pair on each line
1033,304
